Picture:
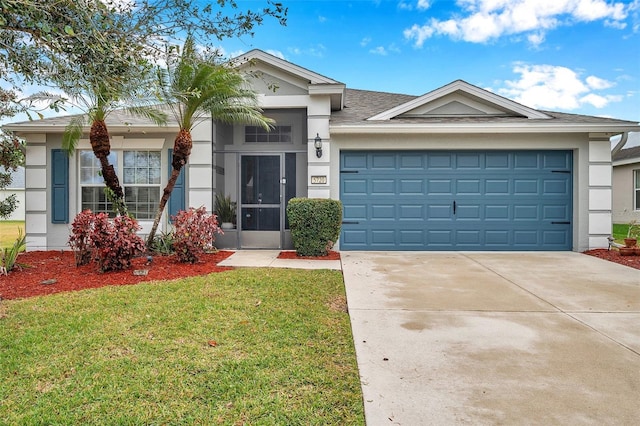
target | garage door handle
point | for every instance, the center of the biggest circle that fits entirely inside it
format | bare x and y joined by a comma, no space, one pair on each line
350,222
561,223
454,207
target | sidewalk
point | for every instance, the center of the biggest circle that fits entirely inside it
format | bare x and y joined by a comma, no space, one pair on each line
269,259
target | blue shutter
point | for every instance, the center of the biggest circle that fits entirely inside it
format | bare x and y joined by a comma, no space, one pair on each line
59,186
176,201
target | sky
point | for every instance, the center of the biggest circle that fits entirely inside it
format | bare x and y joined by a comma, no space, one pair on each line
576,56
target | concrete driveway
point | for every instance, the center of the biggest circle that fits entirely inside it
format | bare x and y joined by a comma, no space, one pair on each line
495,338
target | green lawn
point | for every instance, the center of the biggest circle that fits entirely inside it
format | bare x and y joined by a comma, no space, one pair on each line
9,232
248,346
620,231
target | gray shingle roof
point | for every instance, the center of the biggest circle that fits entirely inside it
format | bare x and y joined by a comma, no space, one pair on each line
362,104
627,154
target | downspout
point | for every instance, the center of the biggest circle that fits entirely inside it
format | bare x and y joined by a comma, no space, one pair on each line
621,144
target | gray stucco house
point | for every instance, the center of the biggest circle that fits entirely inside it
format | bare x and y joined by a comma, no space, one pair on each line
626,185
459,168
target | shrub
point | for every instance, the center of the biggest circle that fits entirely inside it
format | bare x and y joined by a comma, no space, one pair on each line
195,229
9,256
315,224
80,239
111,243
115,242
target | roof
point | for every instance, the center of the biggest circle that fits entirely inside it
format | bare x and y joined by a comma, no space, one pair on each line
117,121
362,105
627,156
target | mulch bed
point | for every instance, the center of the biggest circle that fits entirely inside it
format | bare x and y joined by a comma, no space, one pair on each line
333,255
615,256
49,272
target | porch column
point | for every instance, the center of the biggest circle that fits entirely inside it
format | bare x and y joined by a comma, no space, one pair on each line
36,200
600,193
200,176
318,115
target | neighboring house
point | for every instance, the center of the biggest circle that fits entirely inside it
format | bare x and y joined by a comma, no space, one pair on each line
626,185
16,187
459,168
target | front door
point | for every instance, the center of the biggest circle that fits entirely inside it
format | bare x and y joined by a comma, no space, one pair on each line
261,201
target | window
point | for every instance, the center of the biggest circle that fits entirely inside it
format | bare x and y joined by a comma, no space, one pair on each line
139,174
279,134
636,189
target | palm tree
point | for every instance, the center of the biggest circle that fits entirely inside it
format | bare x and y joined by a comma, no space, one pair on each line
99,100
197,88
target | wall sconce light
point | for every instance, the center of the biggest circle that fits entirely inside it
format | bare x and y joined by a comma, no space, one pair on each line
317,143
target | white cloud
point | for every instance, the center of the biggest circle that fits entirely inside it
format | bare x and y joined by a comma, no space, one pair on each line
384,51
598,83
380,50
365,41
486,20
556,87
423,4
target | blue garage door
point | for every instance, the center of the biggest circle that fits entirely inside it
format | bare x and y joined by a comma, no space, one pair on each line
462,200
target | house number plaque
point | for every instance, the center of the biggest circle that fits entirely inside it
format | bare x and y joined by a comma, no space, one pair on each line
317,180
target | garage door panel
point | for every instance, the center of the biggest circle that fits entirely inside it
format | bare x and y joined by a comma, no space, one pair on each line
504,200
439,186
383,187
355,187
383,211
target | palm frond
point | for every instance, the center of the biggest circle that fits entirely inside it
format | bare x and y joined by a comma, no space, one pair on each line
72,134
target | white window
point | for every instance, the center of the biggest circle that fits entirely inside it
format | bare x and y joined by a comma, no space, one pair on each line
139,174
636,189
279,134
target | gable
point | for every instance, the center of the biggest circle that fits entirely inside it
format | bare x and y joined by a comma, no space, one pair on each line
270,81
460,99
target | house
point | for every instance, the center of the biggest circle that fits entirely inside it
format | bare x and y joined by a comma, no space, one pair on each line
626,185
17,187
459,168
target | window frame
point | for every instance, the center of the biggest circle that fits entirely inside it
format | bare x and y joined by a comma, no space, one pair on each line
636,189
275,136
116,158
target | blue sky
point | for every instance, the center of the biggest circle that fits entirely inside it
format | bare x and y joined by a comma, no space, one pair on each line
577,56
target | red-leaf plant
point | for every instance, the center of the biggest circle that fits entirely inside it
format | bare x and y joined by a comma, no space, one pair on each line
195,229
111,243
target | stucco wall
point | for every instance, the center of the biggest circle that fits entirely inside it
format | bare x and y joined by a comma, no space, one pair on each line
623,208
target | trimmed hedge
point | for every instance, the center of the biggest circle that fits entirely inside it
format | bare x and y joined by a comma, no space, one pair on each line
315,224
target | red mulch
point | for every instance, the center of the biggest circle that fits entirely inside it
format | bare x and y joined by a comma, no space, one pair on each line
60,266
615,256
333,255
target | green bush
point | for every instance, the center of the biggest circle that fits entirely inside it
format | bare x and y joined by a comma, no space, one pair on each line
315,224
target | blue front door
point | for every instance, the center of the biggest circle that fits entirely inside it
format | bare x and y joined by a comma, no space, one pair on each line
456,200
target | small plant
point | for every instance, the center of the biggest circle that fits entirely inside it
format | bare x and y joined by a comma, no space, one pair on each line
80,239
225,208
315,224
163,243
115,242
634,229
195,230
111,243
10,255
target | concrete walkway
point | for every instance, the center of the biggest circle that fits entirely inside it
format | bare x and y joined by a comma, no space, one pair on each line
269,259
491,338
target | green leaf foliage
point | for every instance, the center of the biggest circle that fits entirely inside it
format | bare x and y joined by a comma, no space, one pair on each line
315,224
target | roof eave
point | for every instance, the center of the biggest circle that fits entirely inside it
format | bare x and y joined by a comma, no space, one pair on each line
468,128
31,128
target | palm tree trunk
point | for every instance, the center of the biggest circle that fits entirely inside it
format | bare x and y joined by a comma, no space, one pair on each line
181,151
101,146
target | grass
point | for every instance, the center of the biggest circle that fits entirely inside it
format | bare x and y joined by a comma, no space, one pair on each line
9,232
248,346
620,231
